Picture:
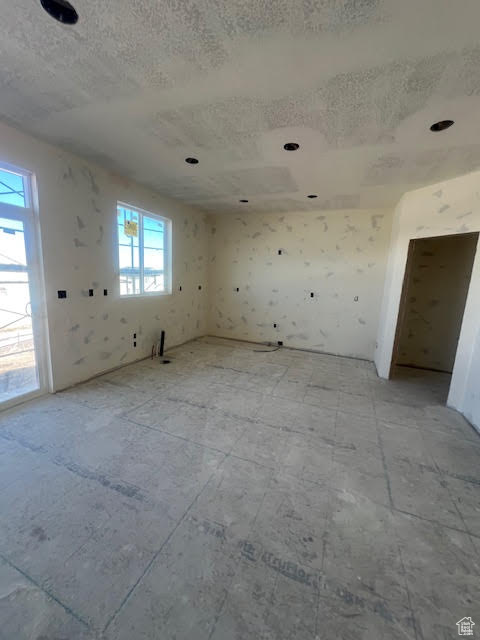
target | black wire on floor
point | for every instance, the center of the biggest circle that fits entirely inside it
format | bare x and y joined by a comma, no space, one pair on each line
267,350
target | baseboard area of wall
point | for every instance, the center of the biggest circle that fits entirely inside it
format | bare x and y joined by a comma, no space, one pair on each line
416,366
284,346
209,335
121,366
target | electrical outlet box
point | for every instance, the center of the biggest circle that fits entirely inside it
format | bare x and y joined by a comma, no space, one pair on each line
62,294
90,293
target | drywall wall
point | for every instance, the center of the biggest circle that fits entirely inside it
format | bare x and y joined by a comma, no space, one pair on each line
339,256
471,400
445,208
77,211
437,285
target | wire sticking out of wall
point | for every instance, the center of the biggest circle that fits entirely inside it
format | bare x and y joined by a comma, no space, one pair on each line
158,348
267,344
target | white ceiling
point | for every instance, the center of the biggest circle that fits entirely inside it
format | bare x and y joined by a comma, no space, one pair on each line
138,86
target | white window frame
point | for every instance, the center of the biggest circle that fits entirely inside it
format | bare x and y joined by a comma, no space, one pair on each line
167,251
28,215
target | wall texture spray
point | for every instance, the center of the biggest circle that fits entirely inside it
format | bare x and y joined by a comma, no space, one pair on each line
77,211
278,261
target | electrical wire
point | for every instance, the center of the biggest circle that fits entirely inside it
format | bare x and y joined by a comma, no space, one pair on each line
267,350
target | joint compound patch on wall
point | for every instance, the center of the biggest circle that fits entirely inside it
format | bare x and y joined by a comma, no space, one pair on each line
340,255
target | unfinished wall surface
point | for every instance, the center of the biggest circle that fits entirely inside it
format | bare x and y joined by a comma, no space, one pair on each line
471,403
77,211
339,256
438,280
445,208
141,85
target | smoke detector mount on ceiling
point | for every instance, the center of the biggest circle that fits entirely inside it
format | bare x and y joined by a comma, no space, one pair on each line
442,125
291,146
60,10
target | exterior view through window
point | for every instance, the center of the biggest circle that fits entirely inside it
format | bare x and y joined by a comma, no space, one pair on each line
19,371
143,252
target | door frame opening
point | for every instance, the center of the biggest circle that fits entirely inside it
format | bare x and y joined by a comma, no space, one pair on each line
402,306
28,216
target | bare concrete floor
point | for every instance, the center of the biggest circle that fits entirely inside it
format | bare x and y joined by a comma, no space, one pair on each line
240,495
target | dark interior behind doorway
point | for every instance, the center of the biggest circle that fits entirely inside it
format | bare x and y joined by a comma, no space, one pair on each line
433,300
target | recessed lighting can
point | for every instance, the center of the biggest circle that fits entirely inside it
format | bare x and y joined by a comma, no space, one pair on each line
60,10
442,125
191,160
312,195
291,146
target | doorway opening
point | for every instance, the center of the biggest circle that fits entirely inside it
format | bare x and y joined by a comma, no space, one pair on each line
435,288
22,353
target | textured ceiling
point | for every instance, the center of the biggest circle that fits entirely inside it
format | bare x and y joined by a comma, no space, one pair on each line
139,86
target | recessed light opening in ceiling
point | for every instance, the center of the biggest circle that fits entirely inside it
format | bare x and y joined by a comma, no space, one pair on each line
312,195
61,10
442,125
191,160
291,146
243,200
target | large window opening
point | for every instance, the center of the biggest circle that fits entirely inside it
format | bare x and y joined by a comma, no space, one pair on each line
22,359
144,254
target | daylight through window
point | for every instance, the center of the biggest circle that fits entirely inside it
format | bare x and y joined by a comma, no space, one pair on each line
143,252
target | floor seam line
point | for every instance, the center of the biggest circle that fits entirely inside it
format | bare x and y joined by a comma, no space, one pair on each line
454,502
174,435
435,522
57,459
384,462
222,606
46,592
157,553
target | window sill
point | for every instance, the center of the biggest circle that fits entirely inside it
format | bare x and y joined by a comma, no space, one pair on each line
154,294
